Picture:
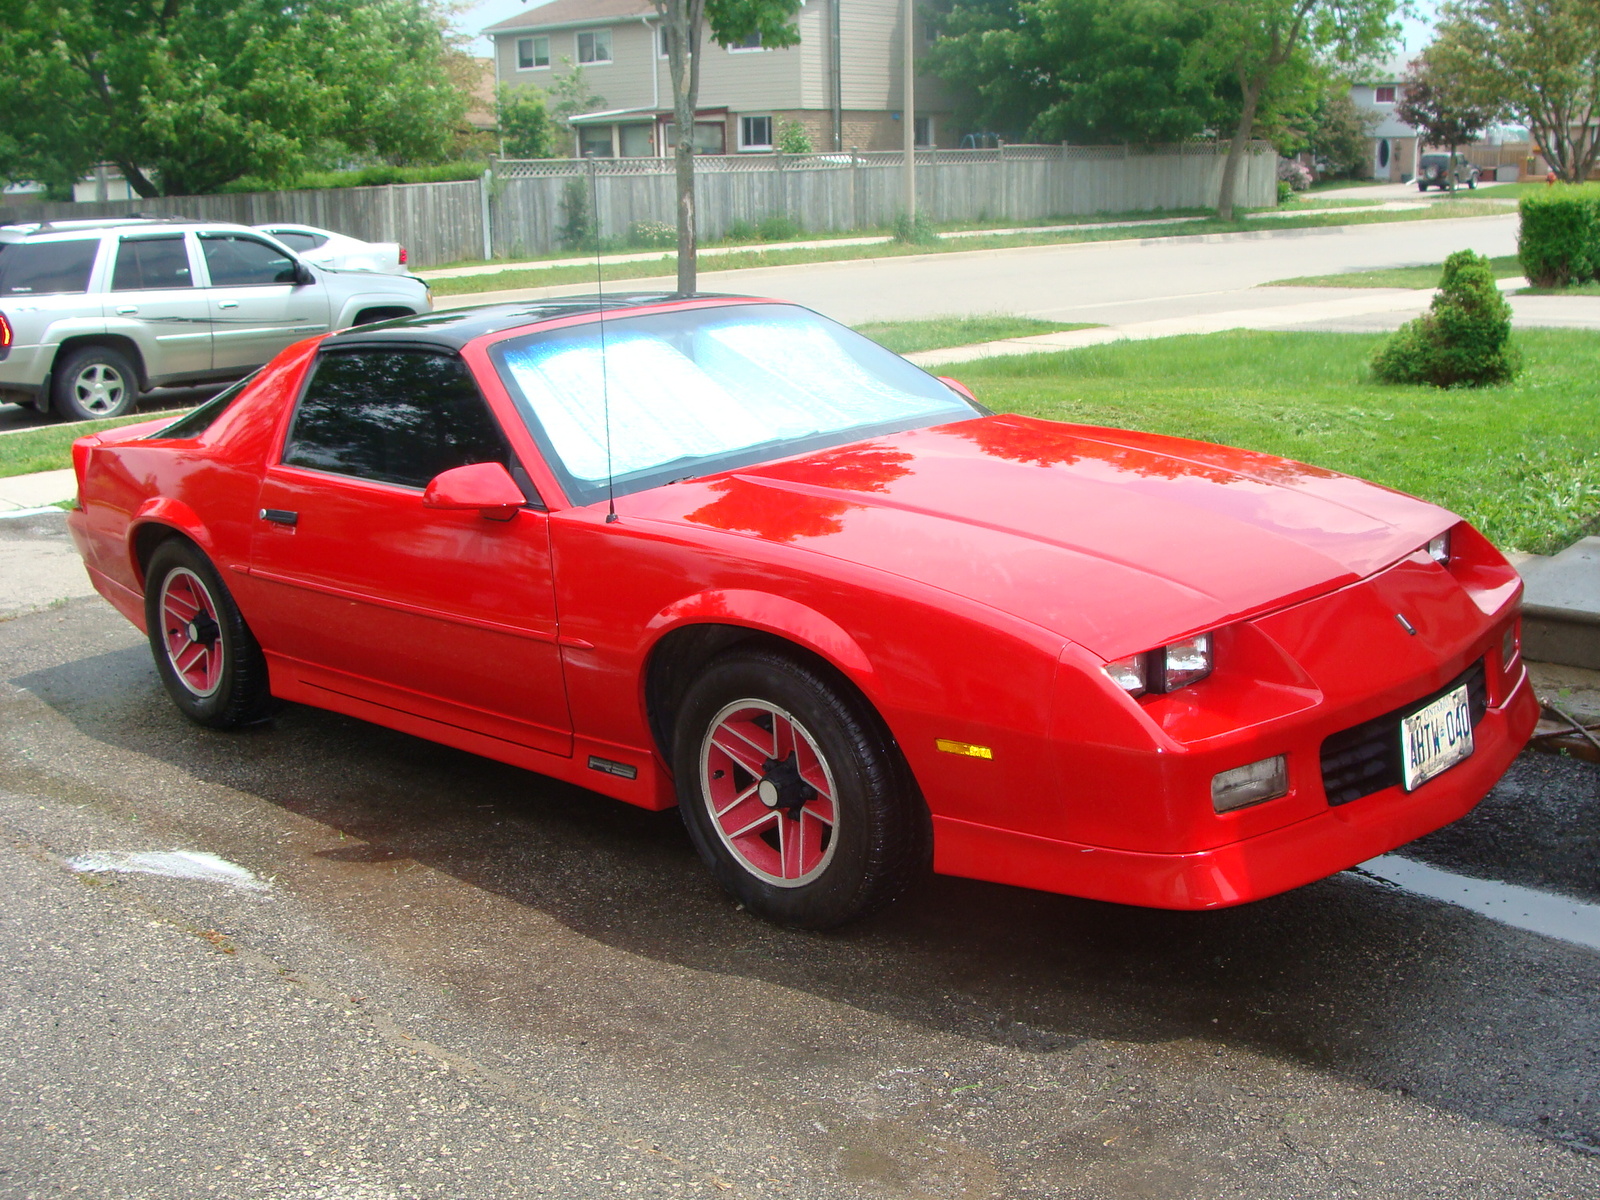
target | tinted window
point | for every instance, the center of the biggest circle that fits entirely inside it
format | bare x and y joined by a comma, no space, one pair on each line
151,263
296,240
235,261
397,416
46,268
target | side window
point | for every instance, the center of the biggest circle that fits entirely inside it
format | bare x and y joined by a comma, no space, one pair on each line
298,239
46,268
394,416
160,262
237,261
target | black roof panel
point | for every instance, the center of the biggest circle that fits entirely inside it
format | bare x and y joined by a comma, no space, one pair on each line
455,327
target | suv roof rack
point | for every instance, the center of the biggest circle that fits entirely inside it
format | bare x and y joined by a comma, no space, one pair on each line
65,225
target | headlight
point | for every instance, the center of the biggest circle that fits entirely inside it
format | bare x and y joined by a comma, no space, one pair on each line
1439,549
1164,670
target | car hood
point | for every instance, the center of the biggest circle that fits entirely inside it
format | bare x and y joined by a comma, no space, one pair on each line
1120,541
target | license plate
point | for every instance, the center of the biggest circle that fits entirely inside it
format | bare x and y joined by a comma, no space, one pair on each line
1436,738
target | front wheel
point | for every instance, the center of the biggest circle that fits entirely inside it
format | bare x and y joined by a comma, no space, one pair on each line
1472,184
93,383
793,794
205,653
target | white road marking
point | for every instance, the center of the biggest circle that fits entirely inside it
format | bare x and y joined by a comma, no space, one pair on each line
174,864
1539,912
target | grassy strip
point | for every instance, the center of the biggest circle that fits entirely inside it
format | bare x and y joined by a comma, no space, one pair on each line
1505,267
908,337
49,448
665,265
1522,462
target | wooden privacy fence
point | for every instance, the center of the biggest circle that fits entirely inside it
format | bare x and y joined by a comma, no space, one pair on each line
515,210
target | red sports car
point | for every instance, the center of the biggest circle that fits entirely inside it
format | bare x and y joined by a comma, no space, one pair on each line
724,554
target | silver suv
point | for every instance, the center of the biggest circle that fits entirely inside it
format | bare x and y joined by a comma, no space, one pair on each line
93,313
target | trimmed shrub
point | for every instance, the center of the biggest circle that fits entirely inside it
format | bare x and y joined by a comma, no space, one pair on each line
577,230
1465,340
1559,238
915,231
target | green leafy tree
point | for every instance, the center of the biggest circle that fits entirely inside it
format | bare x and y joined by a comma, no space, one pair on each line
684,22
1267,48
1339,131
1096,71
571,96
526,128
186,95
793,138
1436,106
1535,60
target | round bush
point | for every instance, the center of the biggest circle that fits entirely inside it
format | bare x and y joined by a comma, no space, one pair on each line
1464,340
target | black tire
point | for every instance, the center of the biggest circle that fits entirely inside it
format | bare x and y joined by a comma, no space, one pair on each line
92,383
1472,184
222,684
1422,187
372,316
834,870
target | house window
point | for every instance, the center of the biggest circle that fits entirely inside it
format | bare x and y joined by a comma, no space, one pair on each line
1384,95
533,53
755,133
595,47
636,141
594,141
924,132
710,137
750,41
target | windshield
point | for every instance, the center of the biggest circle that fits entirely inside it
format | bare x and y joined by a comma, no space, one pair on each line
704,390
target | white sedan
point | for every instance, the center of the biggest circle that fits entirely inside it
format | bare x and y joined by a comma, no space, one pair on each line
324,248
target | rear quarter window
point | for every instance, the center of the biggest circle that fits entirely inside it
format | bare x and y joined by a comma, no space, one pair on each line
46,268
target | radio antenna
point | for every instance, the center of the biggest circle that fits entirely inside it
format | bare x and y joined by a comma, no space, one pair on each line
600,299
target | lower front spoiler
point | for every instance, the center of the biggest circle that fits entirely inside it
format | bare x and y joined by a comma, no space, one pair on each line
1254,868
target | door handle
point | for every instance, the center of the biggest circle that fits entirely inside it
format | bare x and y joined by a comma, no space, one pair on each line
128,310
280,516
227,304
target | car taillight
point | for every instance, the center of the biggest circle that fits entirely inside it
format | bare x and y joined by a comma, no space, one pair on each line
402,256
5,332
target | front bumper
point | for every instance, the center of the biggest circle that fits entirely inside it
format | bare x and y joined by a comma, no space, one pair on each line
1252,868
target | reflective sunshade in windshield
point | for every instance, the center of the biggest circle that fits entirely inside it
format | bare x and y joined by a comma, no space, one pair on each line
702,390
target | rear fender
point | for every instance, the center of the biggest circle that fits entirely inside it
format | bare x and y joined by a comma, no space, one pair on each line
173,514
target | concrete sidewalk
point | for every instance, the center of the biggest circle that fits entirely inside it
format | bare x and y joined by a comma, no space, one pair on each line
30,493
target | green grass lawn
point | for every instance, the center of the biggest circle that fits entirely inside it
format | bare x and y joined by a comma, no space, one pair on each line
584,276
1397,277
49,448
1522,462
908,337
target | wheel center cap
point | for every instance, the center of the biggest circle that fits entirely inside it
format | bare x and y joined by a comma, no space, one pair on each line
782,787
768,791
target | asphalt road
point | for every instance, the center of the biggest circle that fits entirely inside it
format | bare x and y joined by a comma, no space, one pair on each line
456,979
1109,283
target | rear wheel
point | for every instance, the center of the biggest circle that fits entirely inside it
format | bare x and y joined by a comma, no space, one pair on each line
205,653
795,797
93,383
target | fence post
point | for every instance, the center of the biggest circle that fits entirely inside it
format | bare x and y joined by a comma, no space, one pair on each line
855,189
485,183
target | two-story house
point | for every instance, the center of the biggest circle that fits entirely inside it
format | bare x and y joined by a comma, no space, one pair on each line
1394,143
842,82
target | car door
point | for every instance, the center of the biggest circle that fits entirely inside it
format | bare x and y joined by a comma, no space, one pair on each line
152,298
256,303
359,589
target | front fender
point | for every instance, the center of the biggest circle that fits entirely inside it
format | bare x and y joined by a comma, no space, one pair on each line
772,614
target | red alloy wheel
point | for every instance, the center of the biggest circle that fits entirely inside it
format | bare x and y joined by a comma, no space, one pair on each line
191,632
769,793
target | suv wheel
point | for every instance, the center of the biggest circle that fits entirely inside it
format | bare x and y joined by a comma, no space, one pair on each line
93,383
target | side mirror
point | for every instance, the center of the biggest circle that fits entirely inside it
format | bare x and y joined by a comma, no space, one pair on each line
487,487
303,274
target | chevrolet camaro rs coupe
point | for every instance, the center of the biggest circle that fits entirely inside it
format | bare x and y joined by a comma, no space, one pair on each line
724,554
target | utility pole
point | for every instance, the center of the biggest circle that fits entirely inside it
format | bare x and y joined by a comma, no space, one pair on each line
908,117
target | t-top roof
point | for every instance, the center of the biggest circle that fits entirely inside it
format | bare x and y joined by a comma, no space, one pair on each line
455,327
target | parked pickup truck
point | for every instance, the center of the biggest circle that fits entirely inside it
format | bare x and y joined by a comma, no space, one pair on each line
95,313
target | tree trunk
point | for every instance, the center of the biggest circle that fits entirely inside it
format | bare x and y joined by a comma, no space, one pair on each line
137,180
682,20
1236,148
684,161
